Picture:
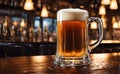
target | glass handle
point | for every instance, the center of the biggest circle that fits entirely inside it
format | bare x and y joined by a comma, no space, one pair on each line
100,31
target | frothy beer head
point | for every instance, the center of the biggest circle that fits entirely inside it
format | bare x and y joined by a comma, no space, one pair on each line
72,14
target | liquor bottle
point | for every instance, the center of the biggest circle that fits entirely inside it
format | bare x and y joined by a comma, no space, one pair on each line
45,34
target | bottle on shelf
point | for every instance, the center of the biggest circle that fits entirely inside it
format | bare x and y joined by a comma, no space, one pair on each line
45,34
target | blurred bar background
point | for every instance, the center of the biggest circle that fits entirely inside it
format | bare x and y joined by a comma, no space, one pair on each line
31,29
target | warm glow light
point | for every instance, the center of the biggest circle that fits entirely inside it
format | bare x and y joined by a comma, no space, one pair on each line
115,25
113,19
102,56
92,5
44,12
93,25
115,54
15,23
105,2
103,18
82,6
102,10
119,23
5,23
28,5
22,23
113,5
99,60
39,59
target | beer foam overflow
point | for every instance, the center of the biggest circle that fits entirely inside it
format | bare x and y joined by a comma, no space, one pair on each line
72,14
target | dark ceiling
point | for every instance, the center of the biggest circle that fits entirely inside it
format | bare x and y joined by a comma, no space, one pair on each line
52,5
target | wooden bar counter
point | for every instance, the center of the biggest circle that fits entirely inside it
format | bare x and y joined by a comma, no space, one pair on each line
101,63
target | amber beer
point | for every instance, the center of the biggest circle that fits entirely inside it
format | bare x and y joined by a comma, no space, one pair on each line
72,38
71,26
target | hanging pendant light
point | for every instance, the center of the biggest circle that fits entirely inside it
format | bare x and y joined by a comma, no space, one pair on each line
28,5
93,25
113,5
102,10
104,20
105,2
115,25
22,23
44,12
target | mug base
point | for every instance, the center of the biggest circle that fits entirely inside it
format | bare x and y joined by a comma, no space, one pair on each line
72,61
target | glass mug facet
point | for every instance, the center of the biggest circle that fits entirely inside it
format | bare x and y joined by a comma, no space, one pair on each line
72,37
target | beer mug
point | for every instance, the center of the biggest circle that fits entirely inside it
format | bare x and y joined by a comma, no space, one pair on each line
73,47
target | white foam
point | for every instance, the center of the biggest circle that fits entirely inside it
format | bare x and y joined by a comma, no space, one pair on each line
71,14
